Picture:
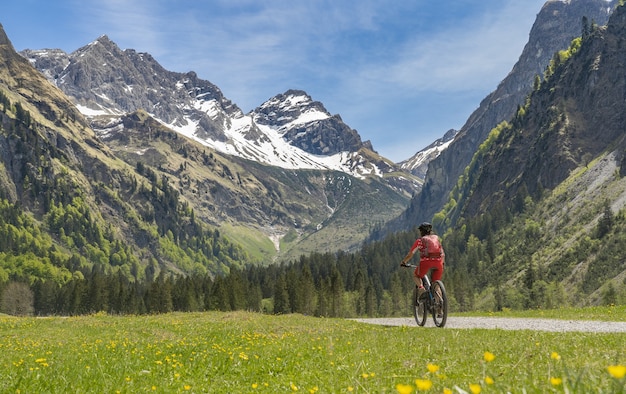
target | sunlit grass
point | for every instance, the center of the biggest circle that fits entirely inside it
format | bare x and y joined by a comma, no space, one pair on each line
247,352
604,313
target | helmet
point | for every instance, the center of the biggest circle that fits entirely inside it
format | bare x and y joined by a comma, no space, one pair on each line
425,228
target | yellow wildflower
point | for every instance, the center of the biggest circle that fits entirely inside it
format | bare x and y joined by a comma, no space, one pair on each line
423,384
447,391
489,380
475,388
404,388
555,356
617,371
556,381
488,356
432,368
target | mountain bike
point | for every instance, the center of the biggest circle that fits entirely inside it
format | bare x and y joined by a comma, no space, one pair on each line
433,300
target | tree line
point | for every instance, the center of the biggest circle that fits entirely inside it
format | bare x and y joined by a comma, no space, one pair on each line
479,271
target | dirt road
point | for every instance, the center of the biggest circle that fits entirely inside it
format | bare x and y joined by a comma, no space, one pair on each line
506,323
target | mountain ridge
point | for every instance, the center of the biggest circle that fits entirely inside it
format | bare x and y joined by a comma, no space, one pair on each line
117,90
556,25
104,80
70,206
538,217
583,120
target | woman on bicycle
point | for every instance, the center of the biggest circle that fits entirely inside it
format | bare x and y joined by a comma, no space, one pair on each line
432,256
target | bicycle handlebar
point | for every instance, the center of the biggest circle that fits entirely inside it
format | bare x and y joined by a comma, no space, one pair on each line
408,265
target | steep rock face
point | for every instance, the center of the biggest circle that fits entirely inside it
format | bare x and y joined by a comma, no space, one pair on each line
578,113
51,61
307,124
325,137
103,79
556,25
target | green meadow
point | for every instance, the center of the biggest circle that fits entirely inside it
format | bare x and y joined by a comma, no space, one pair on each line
240,352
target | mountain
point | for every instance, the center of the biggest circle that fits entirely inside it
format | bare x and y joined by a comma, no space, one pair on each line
539,212
289,130
575,116
537,218
556,25
286,179
69,207
418,163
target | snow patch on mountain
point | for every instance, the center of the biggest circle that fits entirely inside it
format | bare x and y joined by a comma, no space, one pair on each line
273,150
418,163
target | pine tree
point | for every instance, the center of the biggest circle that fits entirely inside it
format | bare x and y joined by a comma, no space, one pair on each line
605,224
219,299
237,285
306,287
281,297
360,290
323,297
336,293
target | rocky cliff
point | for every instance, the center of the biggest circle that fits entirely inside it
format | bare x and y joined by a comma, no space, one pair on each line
556,25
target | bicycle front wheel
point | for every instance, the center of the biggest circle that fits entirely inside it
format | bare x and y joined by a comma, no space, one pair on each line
419,308
440,311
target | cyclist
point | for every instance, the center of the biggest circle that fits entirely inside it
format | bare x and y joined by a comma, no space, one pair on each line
432,256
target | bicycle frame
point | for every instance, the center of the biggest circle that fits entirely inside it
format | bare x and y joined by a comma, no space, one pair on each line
435,304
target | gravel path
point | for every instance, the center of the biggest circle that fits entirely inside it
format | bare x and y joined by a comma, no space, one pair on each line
509,323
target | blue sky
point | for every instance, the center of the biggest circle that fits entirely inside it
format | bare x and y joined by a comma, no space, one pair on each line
401,73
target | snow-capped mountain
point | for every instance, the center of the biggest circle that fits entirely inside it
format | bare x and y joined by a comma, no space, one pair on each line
418,163
289,130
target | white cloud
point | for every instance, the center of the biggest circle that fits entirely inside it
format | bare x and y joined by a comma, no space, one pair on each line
476,54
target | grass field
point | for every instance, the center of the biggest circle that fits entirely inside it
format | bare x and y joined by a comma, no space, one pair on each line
247,353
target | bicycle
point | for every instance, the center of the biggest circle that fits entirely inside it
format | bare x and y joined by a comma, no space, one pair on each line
433,300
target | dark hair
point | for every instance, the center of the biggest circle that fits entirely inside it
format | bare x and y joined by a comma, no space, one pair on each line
425,228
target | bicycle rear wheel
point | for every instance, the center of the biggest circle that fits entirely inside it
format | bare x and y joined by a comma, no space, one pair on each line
419,308
440,310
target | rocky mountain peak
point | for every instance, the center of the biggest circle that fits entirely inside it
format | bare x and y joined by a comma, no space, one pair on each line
307,125
102,49
418,163
106,41
288,107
